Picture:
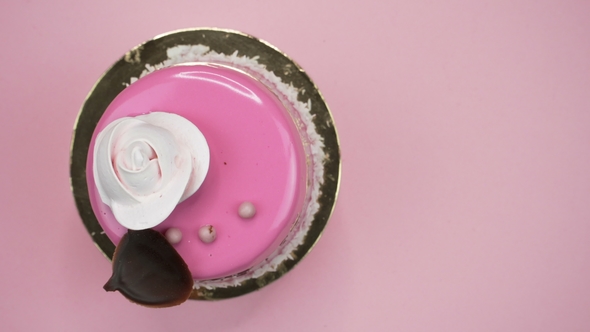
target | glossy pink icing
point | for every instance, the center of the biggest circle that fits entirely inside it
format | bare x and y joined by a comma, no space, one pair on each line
256,156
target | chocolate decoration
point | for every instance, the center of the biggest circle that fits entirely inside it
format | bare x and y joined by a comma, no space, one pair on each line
147,270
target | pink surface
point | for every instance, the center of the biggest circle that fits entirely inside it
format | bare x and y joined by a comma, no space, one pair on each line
254,148
465,197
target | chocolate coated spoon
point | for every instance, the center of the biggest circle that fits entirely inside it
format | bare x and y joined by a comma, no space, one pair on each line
149,271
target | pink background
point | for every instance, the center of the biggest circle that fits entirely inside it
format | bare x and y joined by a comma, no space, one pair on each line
465,197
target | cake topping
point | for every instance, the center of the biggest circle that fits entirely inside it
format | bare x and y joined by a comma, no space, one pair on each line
207,234
147,270
173,235
144,166
246,210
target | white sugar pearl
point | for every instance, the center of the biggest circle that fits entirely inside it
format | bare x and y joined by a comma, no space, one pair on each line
173,235
207,234
246,210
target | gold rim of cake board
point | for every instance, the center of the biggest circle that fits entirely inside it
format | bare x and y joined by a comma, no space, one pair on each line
152,52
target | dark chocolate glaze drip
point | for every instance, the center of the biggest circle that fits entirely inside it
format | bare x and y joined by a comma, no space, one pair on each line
149,271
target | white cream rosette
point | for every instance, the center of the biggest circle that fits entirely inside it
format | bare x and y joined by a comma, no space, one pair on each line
144,166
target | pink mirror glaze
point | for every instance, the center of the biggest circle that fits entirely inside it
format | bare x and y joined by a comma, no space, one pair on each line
256,156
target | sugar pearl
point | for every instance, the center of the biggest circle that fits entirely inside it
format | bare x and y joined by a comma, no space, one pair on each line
207,234
173,235
246,210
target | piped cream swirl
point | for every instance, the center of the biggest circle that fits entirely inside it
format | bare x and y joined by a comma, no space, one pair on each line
145,165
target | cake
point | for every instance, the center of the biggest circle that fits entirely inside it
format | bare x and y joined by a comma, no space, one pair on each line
240,177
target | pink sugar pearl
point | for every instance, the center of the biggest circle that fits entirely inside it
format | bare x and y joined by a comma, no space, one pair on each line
207,234
173,235
246,210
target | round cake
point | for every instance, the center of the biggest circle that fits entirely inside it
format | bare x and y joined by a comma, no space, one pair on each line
256,155
265,165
